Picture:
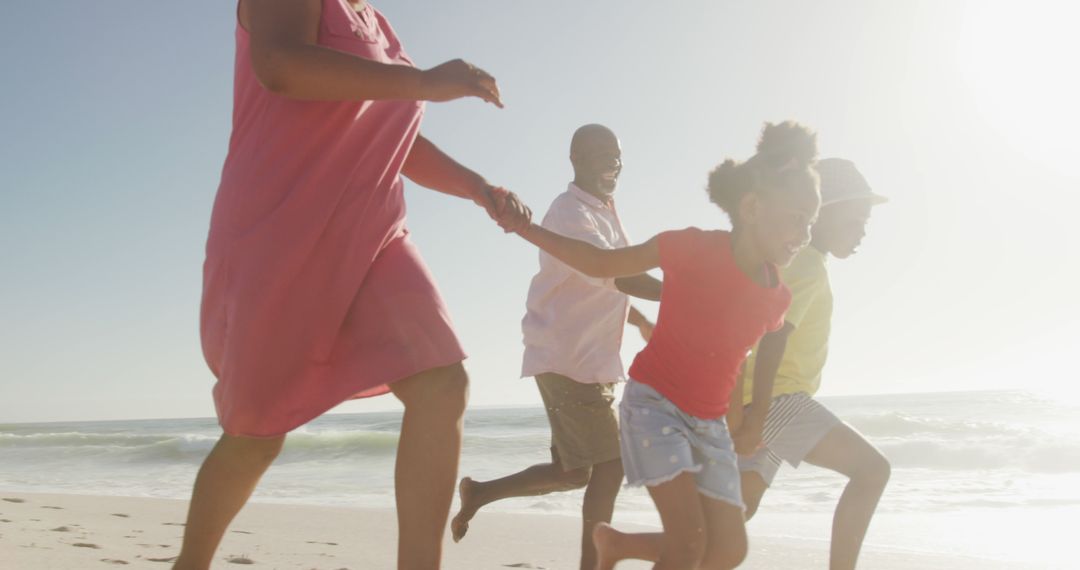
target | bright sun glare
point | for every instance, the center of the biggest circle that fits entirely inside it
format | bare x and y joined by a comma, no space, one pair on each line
1020,60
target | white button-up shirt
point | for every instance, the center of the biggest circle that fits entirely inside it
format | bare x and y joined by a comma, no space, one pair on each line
574,323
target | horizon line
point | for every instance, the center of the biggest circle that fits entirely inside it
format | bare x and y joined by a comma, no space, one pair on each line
511,407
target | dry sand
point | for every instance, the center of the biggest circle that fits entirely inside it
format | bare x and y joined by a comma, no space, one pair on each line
40,531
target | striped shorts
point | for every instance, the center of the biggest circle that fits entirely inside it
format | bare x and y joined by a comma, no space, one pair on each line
794,426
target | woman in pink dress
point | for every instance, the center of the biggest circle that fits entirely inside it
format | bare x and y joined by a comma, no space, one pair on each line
312,291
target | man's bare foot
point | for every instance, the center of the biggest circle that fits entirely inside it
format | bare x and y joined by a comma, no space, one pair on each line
604,537
460,523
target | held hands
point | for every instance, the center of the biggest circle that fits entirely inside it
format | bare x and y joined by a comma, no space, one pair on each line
747,434
505,208
456,79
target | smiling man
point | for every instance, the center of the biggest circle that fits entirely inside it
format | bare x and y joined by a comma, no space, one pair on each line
573,332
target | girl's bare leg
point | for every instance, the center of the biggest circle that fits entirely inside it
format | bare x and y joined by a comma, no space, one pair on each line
613,546
225,482
727,535
427,461
682,544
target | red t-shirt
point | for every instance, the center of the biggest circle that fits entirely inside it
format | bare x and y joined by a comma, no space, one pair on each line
711,315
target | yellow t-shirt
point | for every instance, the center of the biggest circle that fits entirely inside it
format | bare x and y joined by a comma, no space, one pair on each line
810,313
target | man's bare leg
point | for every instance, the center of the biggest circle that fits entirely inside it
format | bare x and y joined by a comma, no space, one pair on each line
598,506
539,479
427,461
845,451
225,481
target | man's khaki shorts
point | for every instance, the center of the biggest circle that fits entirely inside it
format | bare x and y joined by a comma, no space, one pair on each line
584,424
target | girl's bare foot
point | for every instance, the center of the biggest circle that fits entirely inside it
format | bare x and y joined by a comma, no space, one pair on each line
604,538
460,523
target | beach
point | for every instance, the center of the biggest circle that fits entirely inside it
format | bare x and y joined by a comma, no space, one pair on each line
50,531
250,216
979,480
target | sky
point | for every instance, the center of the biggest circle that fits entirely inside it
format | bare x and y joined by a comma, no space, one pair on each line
115,119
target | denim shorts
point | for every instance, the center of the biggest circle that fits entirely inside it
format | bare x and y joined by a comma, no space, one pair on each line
659,442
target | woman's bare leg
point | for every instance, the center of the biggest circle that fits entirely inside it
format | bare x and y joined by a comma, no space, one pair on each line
225,482
427,461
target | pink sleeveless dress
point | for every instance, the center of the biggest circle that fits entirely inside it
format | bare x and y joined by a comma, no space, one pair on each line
312,292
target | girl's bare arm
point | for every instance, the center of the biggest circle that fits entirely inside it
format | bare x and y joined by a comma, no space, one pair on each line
594,261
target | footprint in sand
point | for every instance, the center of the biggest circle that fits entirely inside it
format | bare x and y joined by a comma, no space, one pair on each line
239,560
241,532
5,520
54,508
113,561
523,565
61,529
11,500
121,515
169,559
173,524
326,543
85,545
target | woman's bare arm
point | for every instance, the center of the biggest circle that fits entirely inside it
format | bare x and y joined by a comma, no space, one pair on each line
430,167
287,60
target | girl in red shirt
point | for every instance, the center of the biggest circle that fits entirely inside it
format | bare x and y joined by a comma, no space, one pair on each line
721,294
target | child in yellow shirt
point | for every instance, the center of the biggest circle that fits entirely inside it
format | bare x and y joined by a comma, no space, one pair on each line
795,427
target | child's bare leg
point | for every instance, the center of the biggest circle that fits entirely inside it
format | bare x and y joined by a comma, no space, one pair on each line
539,479
427,461
845,451
613,546
727,535
681,545
753,489
225,482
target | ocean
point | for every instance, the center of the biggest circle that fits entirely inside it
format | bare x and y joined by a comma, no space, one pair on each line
993,474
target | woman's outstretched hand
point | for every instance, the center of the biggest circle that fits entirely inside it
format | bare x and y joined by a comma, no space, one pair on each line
505,208
456,79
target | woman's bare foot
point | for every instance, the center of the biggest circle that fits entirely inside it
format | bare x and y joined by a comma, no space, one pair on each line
604,538
460,524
